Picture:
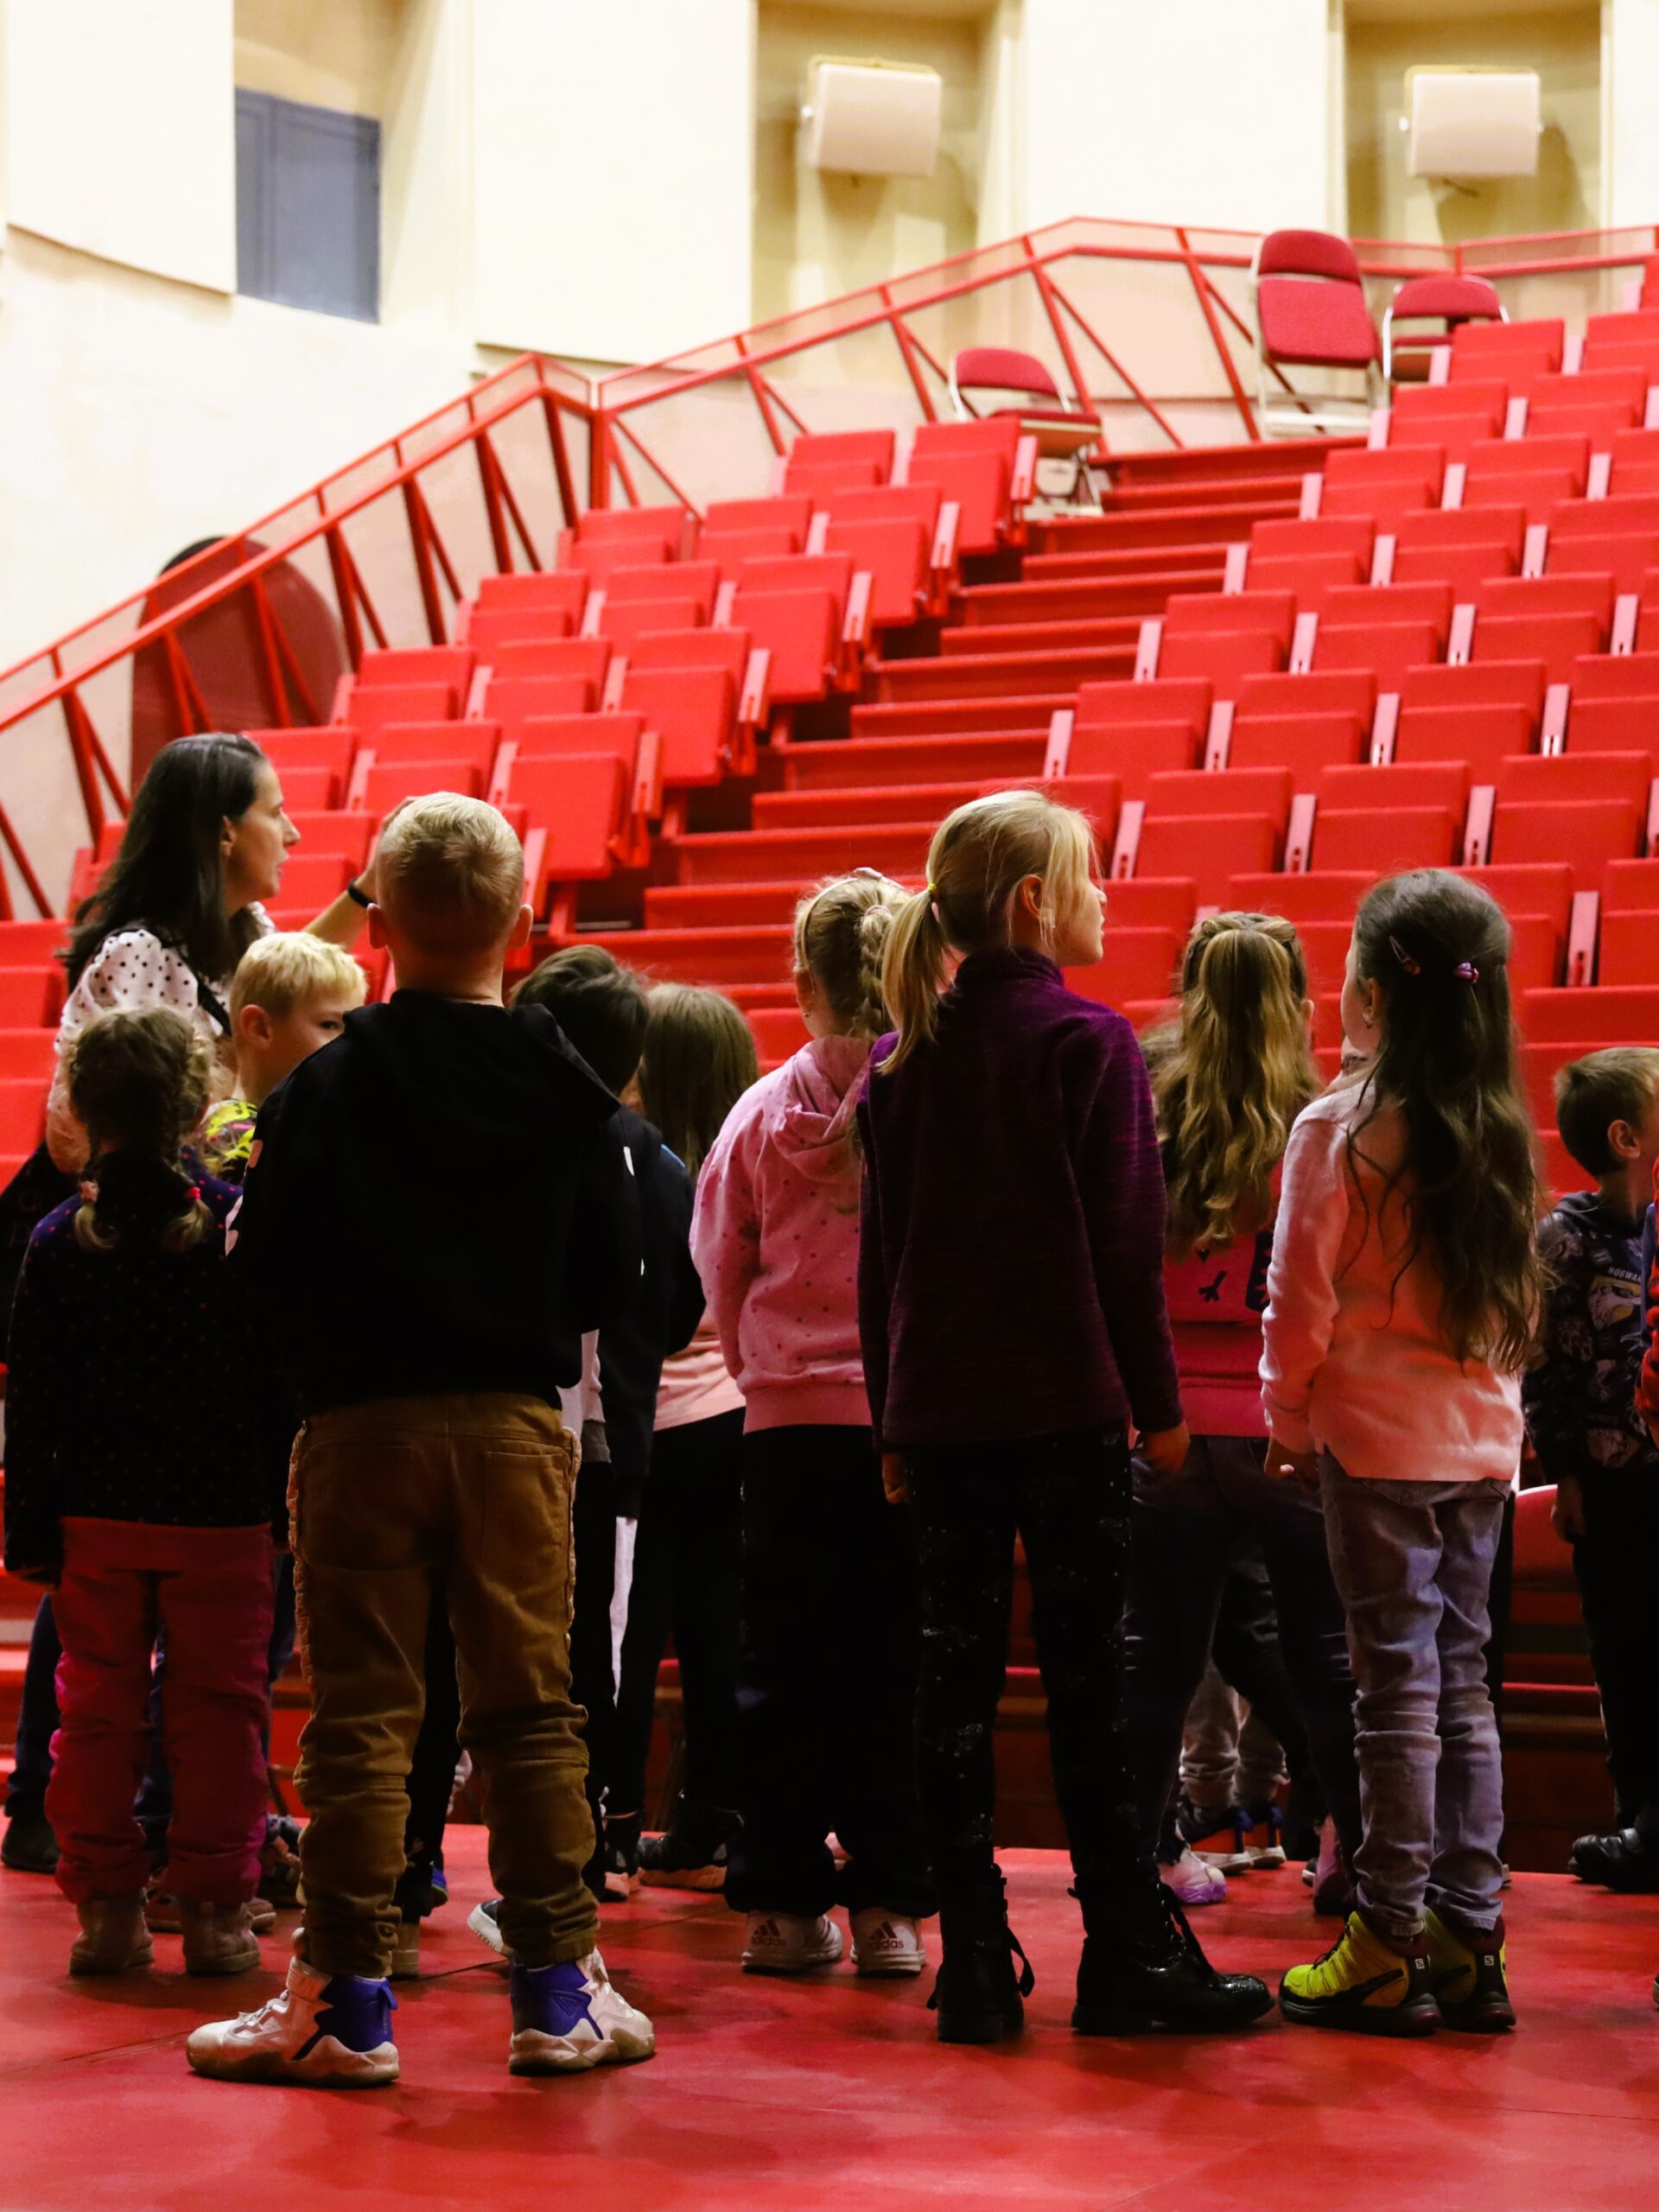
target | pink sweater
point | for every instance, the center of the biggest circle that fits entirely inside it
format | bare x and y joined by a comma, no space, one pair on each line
775,1239
1353,1358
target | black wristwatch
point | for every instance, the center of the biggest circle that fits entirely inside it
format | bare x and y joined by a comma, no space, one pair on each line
358,895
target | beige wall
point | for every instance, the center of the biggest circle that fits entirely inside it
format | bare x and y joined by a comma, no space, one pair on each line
338,54
817,233
1562,43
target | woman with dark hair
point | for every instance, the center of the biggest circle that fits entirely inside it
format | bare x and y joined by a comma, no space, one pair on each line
177,908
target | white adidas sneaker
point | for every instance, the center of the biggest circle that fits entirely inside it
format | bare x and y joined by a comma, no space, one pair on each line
789,1942
568,2020
886,1944
325,2033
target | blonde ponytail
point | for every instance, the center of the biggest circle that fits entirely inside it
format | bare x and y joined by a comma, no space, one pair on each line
978,859
842,932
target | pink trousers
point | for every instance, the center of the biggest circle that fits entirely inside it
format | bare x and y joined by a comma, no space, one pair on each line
208,1590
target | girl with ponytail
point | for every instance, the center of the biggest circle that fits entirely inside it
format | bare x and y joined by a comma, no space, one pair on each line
1012,1306
829,1590
143,1476
1228,1081
1402,1299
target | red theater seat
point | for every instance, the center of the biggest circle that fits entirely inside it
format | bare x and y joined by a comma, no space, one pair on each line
1208,849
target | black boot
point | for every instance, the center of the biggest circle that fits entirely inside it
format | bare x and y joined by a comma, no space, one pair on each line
1621,1860
978,1995
1141,1967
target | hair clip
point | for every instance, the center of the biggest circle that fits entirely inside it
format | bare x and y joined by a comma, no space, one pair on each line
1466,972
195,1193
1411,967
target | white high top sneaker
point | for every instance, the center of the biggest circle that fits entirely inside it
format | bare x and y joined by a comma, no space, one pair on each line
569,2019
329,2033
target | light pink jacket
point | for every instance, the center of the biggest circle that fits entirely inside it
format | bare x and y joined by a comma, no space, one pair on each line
775,1240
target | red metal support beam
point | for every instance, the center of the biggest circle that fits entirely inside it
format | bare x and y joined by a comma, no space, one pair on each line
1201,286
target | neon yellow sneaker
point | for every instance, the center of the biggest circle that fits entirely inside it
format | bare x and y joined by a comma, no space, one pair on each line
1470,1977
1363,1984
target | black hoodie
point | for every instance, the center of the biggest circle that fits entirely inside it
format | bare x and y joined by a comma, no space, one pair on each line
663,1319
439,1201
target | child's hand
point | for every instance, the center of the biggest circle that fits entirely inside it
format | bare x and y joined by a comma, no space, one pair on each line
1567,1515
1164,1449
1285,1465
894,1481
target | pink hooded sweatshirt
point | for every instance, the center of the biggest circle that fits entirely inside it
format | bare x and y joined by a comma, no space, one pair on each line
775,1239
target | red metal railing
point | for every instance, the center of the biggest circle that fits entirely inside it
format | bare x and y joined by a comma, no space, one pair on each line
1153,325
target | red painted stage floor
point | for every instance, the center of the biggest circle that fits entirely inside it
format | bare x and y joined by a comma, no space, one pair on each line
778,2097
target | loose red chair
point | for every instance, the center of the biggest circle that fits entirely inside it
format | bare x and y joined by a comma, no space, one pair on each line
1311,313
1449,302
1066,430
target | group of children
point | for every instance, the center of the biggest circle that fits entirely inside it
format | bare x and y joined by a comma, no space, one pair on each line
971,1273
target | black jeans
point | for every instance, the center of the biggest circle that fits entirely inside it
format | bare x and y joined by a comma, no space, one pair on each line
1067,1498
1188,1530
432,1766
827,1693
37,1716
688,1553
1614,1563
593,1662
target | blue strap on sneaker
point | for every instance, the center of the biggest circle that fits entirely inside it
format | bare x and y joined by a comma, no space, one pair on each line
357,2012
552,2000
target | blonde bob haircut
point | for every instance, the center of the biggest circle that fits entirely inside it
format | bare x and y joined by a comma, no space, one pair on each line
289,969
980,856
451,874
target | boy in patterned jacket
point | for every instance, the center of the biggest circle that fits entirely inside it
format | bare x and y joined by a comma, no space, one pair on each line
1580,1394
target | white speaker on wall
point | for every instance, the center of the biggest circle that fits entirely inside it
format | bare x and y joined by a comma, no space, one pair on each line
873,118
1472,122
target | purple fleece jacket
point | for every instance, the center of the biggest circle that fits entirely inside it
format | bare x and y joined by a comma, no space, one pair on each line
1011,1250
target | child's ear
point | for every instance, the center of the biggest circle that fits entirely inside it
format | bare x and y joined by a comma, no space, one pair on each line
254,1028
1623,1142
377,936
521,928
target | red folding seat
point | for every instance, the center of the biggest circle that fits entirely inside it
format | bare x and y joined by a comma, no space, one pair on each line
1627,514
33,943
894,554
1311,536
1629,886
790,512
348,836
1616,676
385,787
694,713
801,631
1186,701
578,806
1132,752
1486,348
563,662
975,464
1138,963
451,664
544,591
30,997
1606,1013
1381,485
1308,575
27,1055
307,752
1585,833
1496,460
649,525
1538,493
1479,736
1513,684
23,1117
1452,418
1272,612
1622,393
1634,462
698,579
1350,691
1402,837
1325,954
1301,899
1432,783
1226,790
314,880
1209,848
1388,649
410,744
1429,601
1439,527
1151,902
816,480
491,629
1547,595
1545,887
1465,568
511,700
1305,744
830,451
376,704
623,620
1558,640
543,737
1625,560
731,549
1533,780
1225,659
1628,949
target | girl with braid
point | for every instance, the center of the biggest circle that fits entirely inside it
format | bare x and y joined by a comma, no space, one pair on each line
824,1711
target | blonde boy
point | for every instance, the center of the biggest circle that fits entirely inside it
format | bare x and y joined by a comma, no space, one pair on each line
290,996
456,1169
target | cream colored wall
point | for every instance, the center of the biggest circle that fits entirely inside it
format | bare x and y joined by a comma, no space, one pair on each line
338,54
1562,43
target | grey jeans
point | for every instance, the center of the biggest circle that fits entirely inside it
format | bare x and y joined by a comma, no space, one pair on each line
1413,1562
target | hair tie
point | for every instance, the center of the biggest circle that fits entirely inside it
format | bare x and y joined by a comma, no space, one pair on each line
932,890
195,1194
1466,972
